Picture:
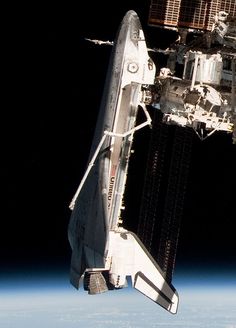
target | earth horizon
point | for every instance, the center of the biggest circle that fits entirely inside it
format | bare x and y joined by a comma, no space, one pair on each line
50,301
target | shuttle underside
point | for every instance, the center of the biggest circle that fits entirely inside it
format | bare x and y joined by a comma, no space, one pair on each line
104,254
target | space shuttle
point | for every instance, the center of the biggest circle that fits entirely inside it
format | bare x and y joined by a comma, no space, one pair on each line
104,253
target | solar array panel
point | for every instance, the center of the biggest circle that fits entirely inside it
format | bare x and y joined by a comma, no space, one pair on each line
194,14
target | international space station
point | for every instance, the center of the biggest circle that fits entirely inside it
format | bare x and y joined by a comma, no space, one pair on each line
201,100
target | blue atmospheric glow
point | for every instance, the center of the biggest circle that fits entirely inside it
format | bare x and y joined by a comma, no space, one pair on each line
51,302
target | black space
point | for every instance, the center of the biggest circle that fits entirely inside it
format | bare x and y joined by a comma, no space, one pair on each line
55,91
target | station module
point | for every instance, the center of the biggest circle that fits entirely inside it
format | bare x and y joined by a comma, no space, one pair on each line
203,97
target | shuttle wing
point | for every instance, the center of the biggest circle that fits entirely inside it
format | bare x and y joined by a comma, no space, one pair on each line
129,257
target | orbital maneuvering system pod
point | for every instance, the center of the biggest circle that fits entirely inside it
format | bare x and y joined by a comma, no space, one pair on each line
104,254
